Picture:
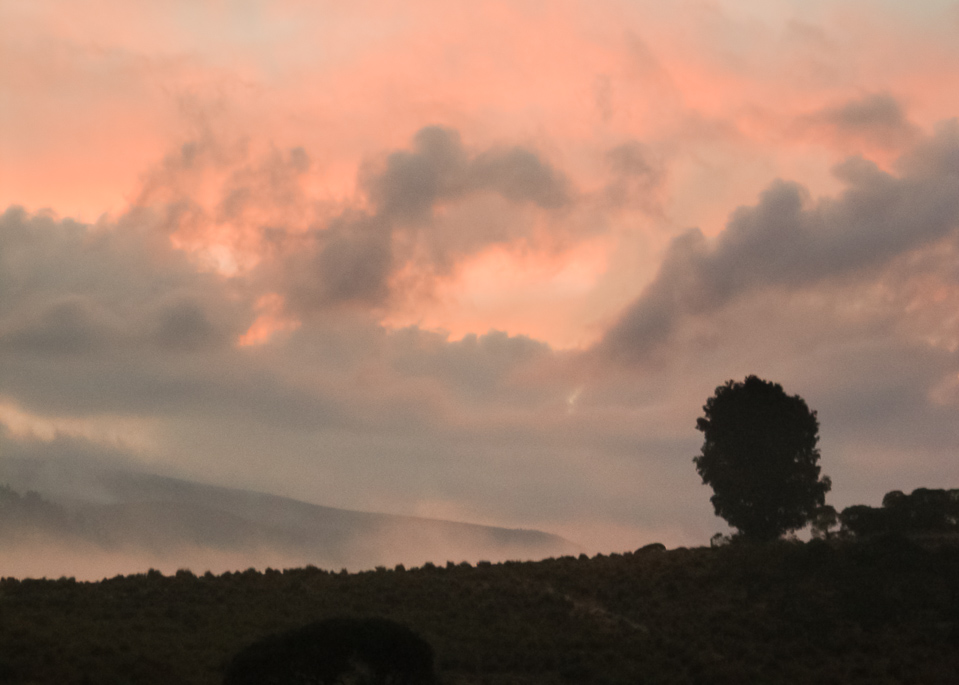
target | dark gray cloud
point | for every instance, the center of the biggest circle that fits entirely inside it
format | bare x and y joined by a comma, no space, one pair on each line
349,260
877,118
879,111
70,288
477,367
352,257
789,241
67,326
111,318
183,323
935,156
439,168
518,175
410,182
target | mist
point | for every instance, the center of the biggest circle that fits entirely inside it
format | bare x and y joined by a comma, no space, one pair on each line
115,521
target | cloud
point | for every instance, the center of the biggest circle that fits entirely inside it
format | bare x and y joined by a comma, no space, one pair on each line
638,176
519,175
111,319
475,368
877,120
256,214
411,182
355,256
72,288
439,168
69,325
350,260
789,241
184,324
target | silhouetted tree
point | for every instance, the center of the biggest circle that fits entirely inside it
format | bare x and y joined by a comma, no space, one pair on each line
932,510
924,511
719,540
362,651
760,457
824,519
861,520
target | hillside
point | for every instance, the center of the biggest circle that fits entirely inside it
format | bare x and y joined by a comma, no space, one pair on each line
120,521
880,611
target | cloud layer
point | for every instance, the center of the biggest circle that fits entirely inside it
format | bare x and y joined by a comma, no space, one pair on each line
482,263
791,242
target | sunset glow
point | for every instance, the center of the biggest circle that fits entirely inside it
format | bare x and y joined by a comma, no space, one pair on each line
480,259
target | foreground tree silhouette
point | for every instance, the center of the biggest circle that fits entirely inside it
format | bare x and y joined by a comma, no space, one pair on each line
760,457
336,651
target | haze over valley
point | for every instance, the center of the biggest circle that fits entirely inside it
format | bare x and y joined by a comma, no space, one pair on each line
99,522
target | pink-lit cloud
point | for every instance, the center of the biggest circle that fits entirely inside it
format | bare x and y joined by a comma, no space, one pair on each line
483,260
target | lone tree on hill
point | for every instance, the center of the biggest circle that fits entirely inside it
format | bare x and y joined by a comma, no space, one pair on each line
760,457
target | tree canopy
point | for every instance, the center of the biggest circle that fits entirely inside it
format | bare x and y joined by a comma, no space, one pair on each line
760,456
924,511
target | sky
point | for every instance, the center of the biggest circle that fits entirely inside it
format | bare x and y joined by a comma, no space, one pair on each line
479,261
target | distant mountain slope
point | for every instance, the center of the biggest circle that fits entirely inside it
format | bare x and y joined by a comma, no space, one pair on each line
132,521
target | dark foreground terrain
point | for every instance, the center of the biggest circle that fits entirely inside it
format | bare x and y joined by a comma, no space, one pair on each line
878,611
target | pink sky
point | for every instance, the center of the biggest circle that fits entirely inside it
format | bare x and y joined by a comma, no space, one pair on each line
724,97
391,182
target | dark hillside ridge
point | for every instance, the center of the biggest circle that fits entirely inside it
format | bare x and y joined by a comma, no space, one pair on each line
880,611
181,523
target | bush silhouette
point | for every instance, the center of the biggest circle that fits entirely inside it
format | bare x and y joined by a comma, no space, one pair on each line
334,651
924,511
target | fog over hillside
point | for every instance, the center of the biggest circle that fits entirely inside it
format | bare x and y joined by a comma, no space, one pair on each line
94,521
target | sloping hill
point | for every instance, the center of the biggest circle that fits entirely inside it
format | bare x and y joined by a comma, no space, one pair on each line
136,521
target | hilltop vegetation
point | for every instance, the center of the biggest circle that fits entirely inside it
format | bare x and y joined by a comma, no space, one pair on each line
923,512
880,610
